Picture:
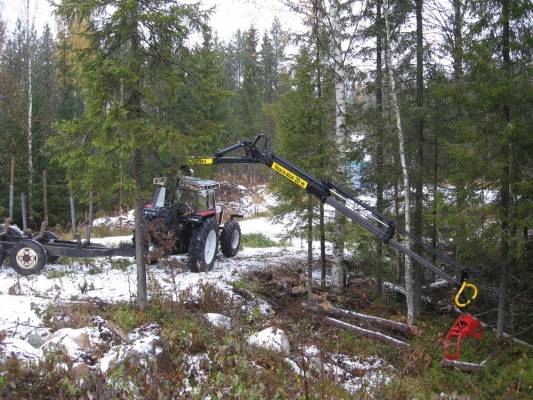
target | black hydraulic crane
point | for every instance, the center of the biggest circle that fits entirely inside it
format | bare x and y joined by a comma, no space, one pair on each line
257,151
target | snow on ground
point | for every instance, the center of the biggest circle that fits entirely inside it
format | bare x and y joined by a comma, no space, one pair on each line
354,374
246,201
126,220
24,300
263,225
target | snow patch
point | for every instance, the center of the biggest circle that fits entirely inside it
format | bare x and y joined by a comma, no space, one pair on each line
126,220
352,373
218,320
145,345
273,339
198,366
20,349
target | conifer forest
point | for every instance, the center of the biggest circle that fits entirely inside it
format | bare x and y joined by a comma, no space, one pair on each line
374,242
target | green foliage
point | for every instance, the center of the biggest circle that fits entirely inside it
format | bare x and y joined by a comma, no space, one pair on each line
56,274
126,317
302,137
257,240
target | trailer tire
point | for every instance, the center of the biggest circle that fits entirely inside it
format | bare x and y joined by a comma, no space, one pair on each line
27,257
203,246
51,236
230,238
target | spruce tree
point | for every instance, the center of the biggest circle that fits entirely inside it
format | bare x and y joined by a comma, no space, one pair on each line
126,47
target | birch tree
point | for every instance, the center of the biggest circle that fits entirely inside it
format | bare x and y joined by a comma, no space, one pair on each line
409,281
340,135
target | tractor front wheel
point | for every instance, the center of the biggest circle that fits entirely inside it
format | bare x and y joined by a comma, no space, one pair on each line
203,246
230,238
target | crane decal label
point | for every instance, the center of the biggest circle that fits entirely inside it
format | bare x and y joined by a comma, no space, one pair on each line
201,161
289,175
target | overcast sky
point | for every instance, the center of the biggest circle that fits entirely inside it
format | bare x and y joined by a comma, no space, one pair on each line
229,15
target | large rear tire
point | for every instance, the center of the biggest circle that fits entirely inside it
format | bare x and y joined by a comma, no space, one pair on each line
230,238
203,246
27,257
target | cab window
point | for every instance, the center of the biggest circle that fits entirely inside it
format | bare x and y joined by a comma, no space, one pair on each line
159,197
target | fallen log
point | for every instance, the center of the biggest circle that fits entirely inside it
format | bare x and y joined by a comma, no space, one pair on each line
370,319
462,366
366,332
391,287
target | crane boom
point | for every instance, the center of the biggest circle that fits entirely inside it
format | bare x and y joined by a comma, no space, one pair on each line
347,204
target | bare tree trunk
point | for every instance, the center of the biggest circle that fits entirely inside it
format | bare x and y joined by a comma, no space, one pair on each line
310,246
506,181
30,111
457,55
322,229
45,198
134,104
419,175
380,139
409,283
434,229
399,256
12,189
139,234
340,138
457,40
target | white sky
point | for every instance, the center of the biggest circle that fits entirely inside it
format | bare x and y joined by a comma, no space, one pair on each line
229,15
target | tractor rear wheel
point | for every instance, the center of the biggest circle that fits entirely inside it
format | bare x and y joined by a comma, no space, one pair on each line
230,238
203,246
27,257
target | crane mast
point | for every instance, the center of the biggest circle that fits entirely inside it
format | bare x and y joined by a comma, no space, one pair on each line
257,151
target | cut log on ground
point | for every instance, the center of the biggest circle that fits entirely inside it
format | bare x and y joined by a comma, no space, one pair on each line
391,287
382,322
462,366
366,332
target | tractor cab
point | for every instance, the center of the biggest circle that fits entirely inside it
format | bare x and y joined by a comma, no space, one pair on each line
195,194
185,211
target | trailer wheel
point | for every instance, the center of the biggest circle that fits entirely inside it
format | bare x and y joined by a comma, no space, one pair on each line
27,257
230,238
203,246
48,236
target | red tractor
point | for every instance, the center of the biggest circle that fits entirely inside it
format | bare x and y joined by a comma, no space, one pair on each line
184,217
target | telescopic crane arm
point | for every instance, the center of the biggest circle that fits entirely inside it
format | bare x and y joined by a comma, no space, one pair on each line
257,151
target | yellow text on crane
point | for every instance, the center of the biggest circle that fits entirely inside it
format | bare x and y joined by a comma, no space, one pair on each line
289,175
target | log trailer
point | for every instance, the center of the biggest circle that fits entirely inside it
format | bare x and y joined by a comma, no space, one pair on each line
257,151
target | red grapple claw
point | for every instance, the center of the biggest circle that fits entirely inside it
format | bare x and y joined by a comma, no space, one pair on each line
465,325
